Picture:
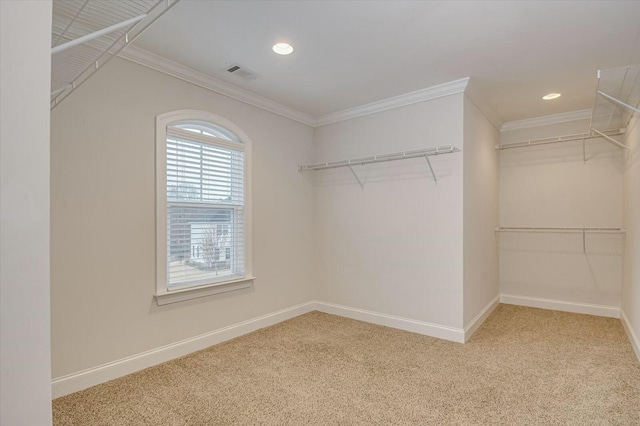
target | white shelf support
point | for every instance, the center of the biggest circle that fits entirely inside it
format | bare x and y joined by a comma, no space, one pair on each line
405,155
584,231
356,176
561,229
561,139
431,168
610,140
136,26
617,97
617,101
97,34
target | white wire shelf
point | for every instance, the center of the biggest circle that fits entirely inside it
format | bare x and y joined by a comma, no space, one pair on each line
617,99
570,230
446,149
561,229
86,34
404,155
560,139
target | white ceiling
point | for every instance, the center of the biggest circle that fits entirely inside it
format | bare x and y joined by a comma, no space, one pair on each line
349,53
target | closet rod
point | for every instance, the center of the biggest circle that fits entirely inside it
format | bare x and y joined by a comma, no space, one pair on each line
565,229
96,34
618,101
446,149
159,8
566,138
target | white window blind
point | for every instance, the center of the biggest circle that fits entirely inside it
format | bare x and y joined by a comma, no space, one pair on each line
205,205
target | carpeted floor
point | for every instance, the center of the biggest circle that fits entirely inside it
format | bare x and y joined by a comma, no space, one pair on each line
524,366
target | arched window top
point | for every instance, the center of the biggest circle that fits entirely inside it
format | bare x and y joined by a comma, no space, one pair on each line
203,205
206,128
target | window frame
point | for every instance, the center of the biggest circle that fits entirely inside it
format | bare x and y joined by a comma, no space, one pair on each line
163,293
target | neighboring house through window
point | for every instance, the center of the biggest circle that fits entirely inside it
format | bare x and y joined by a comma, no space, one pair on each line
202,204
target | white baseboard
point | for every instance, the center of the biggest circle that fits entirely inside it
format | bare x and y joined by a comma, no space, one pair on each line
633,337
475,323
65,385
561,305
428,329
93,376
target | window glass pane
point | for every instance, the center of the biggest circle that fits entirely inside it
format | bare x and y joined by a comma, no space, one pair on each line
207,129
205,212
204,244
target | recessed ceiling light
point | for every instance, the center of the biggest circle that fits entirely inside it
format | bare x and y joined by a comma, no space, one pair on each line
551,96
282,48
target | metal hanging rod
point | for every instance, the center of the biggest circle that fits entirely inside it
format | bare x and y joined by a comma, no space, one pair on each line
446,149
137,26
593,134
553,229
610,139
97,34
405,155
584,231
618,101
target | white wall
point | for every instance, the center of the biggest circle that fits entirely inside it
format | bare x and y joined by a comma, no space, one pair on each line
25,63
551,186
103,235
481,286
631,284
395,247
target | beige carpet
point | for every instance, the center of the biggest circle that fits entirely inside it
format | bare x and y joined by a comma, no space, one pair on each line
523,367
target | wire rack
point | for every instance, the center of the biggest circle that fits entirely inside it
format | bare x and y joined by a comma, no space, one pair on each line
404,155
617,98
86,34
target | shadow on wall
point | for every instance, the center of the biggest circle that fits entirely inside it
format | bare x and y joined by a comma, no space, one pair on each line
411,169
600,244
566,152
561,266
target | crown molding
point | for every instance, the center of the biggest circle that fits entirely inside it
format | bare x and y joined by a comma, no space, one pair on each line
160,63
545,120
485,108
167,66
434,92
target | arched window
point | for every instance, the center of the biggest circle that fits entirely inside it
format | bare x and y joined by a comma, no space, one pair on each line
202,206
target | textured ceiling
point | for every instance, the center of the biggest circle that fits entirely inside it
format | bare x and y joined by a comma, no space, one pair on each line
351,53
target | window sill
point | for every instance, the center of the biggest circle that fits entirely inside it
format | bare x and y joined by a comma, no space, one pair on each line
202,291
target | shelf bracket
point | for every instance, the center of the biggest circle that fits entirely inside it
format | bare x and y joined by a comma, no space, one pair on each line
356,176
431,168
610,139
617,101
137,25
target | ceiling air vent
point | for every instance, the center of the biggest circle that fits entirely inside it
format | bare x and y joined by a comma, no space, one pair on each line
242,72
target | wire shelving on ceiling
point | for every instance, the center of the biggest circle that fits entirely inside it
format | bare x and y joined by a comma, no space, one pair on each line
404,155
617,99
86,34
